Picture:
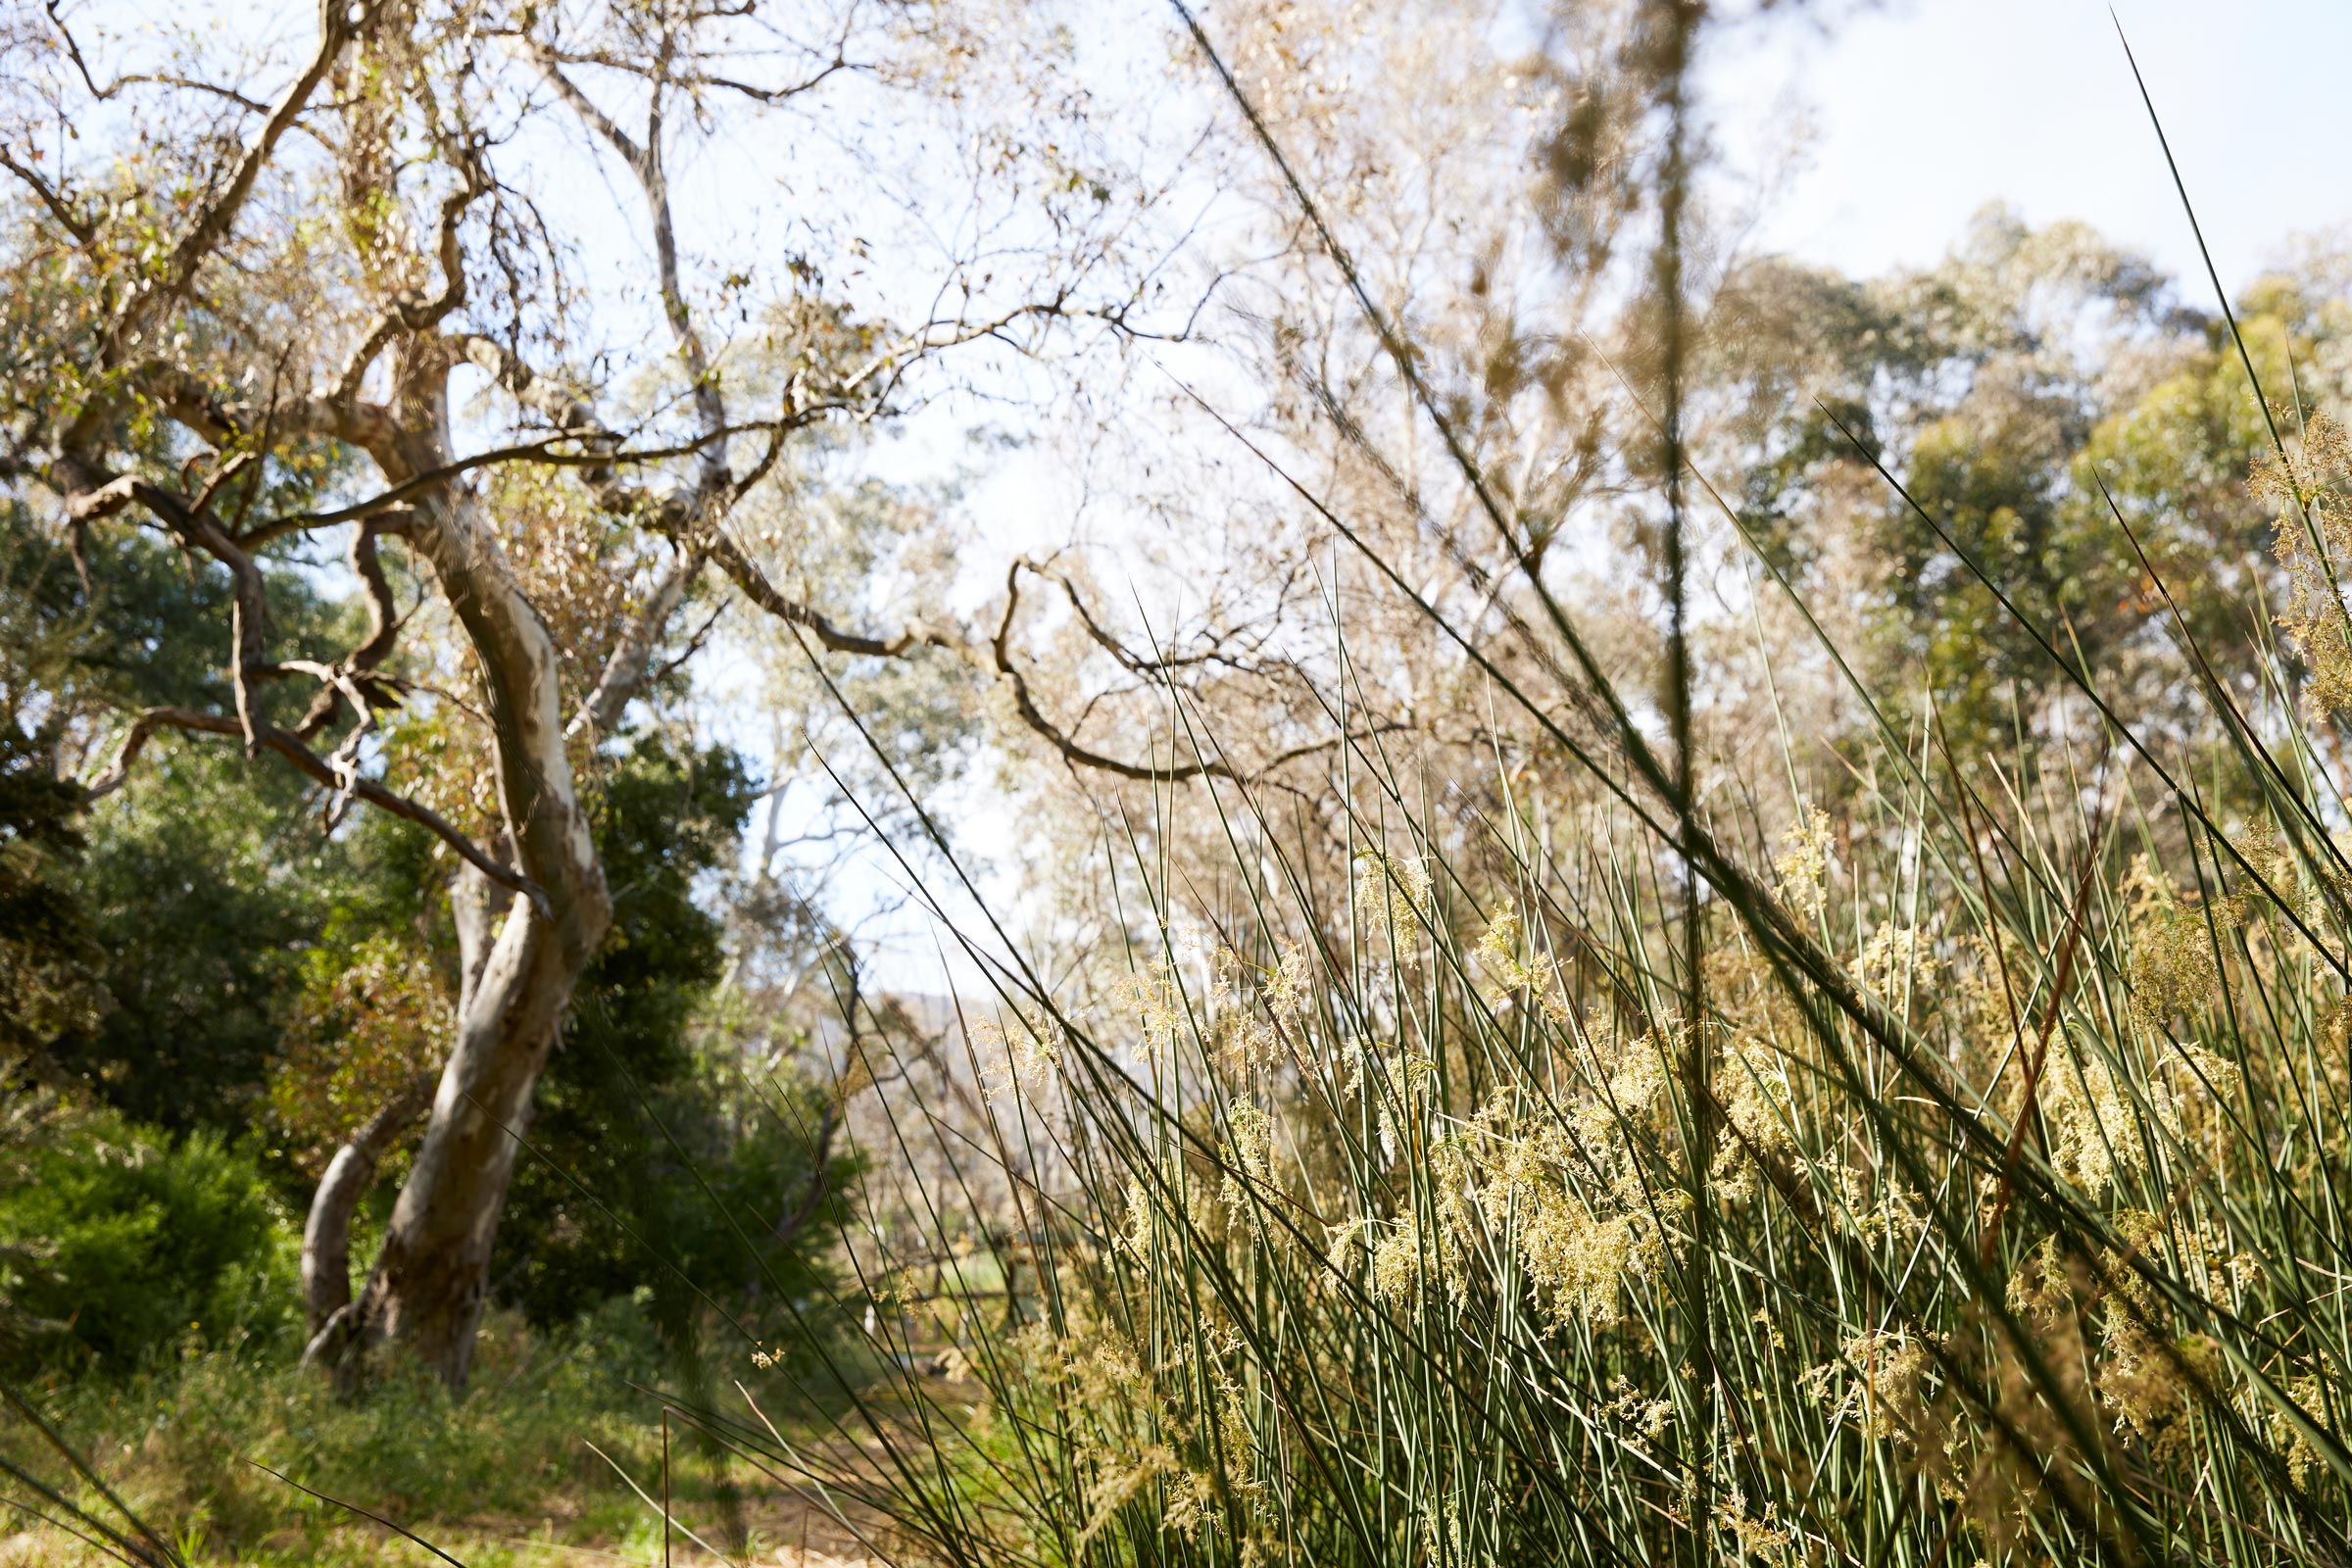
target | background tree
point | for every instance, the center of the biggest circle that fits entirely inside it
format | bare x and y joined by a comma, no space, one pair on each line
2050,402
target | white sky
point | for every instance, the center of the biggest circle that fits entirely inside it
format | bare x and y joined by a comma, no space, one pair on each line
1927,110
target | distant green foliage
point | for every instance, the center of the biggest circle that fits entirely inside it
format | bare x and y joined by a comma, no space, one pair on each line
2047,400
624,1083
191,910
49,956
126,1245
188,891
664,823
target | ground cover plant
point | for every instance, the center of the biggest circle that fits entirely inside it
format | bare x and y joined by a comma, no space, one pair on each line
526,1471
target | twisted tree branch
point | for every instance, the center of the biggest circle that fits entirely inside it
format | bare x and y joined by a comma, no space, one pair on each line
316,767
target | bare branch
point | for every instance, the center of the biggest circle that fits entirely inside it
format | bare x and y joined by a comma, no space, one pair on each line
1080,755
1109,642
102,94
669,514
624,671
213,223
746,576
383,620
776,95
313,765
540,451
83,230
540,393
369,427
327,1234
353,680
196,529
73,50
644,160
410,314
995,661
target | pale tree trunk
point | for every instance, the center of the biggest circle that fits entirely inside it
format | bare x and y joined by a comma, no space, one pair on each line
327,1235
426,1291
476,906
430,1282
428,1287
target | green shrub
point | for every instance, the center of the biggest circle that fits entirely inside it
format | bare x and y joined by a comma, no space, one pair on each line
123,1244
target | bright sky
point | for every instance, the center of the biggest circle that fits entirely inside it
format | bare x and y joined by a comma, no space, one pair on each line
1925,110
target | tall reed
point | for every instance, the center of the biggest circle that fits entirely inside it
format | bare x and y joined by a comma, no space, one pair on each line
1361,1227
1952,1170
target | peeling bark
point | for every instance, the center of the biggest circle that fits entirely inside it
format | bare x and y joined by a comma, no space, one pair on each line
427,1291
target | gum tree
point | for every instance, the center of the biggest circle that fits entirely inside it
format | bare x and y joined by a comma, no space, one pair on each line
309,304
